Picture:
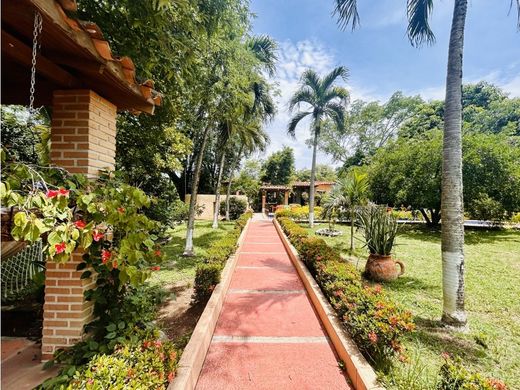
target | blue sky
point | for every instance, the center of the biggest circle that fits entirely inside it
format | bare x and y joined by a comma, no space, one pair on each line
378,54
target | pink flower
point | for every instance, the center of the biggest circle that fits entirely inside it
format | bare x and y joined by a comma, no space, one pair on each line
445,355
372,336
158,343
64,192
114,264
96,236
80,224
52,194
60,248
105,256
171,376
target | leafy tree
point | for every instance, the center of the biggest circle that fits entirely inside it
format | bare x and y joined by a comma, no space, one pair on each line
408,172
322,100
419,32
323,173
248,181
368,126
278,169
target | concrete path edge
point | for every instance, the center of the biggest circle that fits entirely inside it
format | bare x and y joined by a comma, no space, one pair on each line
361,374
194,354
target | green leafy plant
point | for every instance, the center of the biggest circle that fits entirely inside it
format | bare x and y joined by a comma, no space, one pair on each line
379,229
454,376
237,207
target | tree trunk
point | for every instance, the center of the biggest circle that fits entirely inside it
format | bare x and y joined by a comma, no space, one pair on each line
217,190
352,216
452,209
228,194
313,175
188,249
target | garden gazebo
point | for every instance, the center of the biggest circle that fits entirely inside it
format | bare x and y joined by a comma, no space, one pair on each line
72,70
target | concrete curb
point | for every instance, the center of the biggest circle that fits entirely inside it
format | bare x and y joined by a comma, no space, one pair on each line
361,374
194,354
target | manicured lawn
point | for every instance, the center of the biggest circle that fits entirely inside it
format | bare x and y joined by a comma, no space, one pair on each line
177,269
492,343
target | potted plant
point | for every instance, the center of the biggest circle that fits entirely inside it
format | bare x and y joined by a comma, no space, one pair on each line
380,230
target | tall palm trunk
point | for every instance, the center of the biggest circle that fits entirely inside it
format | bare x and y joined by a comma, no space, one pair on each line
231,173
313,175
452,209
217,190
352,216
188,249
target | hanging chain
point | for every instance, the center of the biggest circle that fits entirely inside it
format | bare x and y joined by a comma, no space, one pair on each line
38,23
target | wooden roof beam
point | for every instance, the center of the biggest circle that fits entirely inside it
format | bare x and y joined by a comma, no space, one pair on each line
22,54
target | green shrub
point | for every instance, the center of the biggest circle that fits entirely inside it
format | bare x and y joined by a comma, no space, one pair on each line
515,218
375,323
297,212
207,274
237,207
486,208
454,376
147,364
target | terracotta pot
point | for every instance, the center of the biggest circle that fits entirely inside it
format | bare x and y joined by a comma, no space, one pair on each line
383,268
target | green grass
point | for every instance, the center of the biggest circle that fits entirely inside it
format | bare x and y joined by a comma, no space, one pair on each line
492,344
177,269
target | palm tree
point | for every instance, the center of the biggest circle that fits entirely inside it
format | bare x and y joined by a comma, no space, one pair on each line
452,211
324,101
354,188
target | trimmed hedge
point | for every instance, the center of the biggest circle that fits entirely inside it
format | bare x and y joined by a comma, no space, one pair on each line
374,321
207,274
297,212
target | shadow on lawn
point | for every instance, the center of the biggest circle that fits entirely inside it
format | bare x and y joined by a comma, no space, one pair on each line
438,339
408,283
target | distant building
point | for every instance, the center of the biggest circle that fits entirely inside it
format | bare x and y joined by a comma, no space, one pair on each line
297,193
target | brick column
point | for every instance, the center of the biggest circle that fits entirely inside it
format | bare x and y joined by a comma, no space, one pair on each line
83,132
82,141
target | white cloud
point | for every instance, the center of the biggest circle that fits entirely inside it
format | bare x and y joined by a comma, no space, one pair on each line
294,59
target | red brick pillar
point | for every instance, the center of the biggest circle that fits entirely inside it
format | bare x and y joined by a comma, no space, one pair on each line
82,141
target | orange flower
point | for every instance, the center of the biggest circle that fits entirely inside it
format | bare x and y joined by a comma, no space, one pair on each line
372,336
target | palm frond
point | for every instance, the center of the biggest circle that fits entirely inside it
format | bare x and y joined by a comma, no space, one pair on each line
419,31
336,93
517,11
328,80
347,13
291,129
304,95
263,103
311,79
264,49
336,112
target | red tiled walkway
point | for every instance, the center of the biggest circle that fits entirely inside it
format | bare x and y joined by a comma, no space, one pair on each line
268,335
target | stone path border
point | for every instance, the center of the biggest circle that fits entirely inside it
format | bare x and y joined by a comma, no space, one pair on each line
359,371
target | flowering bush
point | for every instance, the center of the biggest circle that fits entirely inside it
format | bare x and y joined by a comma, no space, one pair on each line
297,212
207,274
375,323
147,364
454,376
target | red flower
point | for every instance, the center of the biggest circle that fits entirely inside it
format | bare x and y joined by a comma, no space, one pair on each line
155,268
114,264
64,192
121,209
105,256
80,224
146,344
97,235
52,194
378,288
157,253
171,376
372,337
60,247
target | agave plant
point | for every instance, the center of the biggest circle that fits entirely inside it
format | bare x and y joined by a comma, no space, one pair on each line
379,228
